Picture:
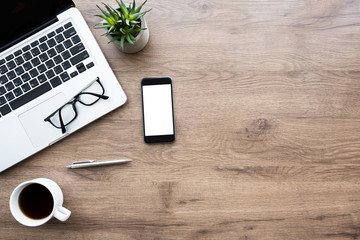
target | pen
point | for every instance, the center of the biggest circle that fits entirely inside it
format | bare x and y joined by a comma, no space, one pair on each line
92,163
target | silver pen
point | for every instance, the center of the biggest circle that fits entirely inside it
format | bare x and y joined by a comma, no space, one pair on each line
92,163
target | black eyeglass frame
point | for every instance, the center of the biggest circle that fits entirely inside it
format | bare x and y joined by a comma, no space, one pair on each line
76,99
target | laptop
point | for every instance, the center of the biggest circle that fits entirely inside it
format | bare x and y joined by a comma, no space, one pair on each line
49,64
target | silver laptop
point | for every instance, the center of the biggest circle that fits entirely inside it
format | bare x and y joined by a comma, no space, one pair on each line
54,79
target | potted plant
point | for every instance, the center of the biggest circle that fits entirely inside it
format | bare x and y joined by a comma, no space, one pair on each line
125,26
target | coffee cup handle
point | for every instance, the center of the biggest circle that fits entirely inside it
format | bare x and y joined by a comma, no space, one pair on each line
62,213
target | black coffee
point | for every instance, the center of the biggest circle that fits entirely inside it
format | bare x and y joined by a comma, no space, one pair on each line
36,201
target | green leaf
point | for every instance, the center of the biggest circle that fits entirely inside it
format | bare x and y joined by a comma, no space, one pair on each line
124,9
137,30
133,6
103,26
110,29
117,12
136,16
103,17
128,38
115,38
122,40
139,8
104,12
110,10
132,38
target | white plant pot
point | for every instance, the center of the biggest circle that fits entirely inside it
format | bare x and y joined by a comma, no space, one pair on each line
140,40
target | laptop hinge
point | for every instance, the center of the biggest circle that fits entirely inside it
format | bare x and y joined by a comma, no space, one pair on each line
32,32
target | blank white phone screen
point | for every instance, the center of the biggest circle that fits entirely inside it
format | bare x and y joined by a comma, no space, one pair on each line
158,118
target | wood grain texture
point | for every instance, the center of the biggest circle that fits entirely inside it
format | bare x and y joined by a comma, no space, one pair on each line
267,109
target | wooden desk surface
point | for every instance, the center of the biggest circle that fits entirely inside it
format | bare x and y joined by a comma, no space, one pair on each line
267,105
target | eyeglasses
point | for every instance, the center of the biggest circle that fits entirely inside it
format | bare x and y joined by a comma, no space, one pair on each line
67,113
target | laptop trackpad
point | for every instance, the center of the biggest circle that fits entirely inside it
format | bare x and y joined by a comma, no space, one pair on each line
42,133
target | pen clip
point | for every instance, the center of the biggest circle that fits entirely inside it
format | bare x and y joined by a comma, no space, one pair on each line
81,162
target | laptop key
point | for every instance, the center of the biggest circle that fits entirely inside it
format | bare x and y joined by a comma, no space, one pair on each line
35,51
60,48
59,38
19,70
17,81
69,24
17,92
73,74
2,100
25,77
79,66
55,81
11,65
27,97
34,73
11,75
66,55
68,43
27,47
19,60
25,87
89,65
34,43
35,61
49,64
9,86
3,69
75,39
27,56
18,52
70,32
2,61
34,83
43,39
66,65
2,90
5,110
80,57
77,48
64,76
43,57
58,69
42,78
9,96
49,74
3,79
43,47
27,66
41,68
58,59
51,34
59,30
51,42
9,57
51,52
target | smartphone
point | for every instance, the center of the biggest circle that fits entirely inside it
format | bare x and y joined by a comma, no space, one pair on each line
158,110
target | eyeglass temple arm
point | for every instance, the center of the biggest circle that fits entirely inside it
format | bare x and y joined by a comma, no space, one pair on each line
63,129
94,94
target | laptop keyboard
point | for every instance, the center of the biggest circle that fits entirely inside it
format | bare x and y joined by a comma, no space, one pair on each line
42,65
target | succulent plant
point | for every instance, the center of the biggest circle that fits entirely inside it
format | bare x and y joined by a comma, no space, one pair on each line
122,23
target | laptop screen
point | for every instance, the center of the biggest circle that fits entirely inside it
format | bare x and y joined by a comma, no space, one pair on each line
19,17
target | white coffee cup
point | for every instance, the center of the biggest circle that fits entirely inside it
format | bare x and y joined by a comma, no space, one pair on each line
58,211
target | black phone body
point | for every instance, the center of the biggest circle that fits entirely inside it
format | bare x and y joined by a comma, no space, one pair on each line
158,109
